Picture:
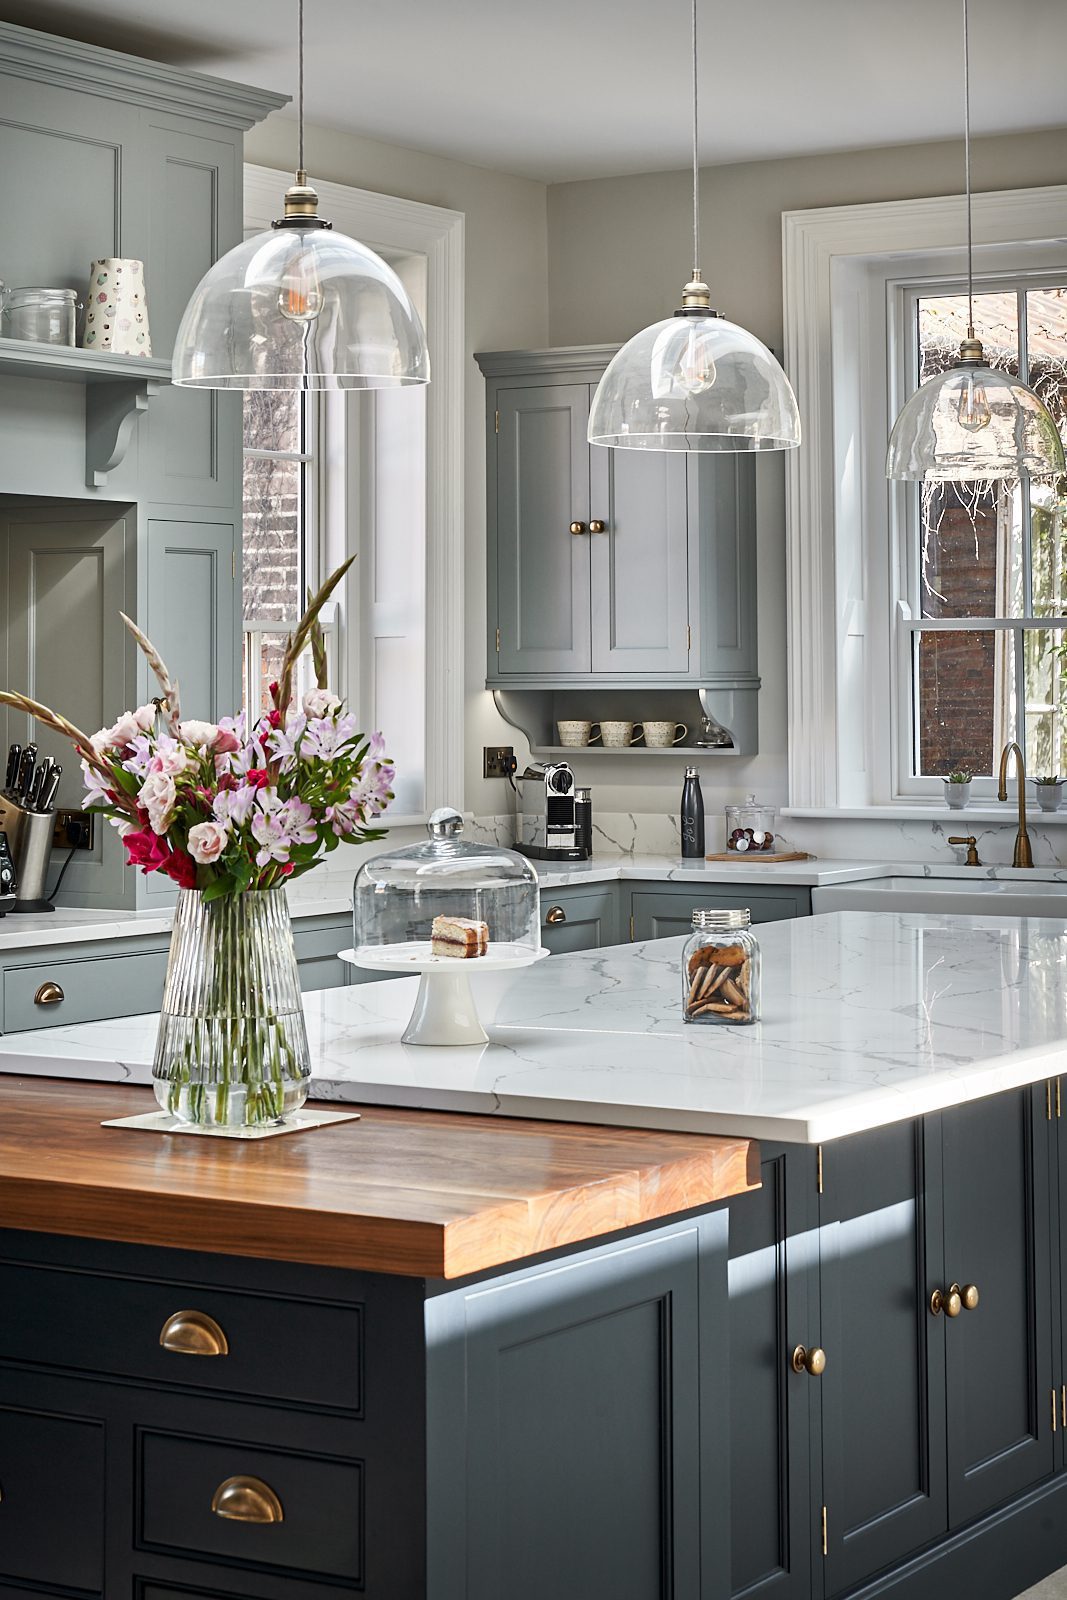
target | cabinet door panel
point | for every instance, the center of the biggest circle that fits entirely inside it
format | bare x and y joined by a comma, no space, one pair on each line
1000,1401
582,1442
772,1261
542,568
53,1499
882,1391
663,914
190,611
640,564
589,920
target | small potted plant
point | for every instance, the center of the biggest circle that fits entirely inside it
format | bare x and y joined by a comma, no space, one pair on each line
957,789
1049,790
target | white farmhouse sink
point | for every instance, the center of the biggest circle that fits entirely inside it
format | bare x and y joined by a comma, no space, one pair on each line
977,896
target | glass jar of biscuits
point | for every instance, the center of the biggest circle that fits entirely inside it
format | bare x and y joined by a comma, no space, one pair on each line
721,969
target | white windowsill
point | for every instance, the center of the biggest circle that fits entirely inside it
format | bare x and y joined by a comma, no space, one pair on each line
1007,813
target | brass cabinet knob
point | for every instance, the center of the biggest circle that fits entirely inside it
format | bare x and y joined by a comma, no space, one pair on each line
49,994
596,526
244,1499
969,1295
946,1300
555,914
193,1333
812,1361
577,527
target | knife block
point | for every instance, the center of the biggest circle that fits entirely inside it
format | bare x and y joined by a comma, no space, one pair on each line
30,835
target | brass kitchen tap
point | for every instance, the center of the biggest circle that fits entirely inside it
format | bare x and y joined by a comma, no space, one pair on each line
1023,856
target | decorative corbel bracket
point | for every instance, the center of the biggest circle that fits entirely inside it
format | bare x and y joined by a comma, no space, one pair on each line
111,413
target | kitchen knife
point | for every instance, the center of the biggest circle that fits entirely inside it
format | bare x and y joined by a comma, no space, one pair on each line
14,756
25,777
37,785
48,793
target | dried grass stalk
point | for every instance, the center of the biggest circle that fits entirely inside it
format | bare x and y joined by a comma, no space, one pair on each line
159,667
297,641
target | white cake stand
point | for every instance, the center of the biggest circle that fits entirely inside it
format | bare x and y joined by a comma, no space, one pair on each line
444,1012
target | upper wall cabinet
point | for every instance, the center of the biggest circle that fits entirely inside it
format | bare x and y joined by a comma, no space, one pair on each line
609,566
104,154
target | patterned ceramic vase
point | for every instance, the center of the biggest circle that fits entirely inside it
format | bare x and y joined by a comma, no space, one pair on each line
116,311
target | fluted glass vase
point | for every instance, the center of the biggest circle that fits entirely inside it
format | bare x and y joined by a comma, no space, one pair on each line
232,1049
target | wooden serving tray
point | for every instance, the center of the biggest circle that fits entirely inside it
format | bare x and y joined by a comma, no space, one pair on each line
749,857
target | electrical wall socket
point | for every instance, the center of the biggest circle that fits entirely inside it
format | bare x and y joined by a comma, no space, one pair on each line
498,761
62,838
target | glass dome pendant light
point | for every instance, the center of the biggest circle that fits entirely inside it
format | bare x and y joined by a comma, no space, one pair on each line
695,381
972,422
300,307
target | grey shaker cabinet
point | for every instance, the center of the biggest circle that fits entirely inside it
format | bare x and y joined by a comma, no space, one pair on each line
656,584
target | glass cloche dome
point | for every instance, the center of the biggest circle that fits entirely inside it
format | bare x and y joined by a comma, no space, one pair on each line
398,895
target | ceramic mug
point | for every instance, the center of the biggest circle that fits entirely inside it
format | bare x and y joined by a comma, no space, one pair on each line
575,734
659,735
116,312
618,735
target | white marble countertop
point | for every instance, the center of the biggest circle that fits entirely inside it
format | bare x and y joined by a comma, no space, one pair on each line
867,1019
330,893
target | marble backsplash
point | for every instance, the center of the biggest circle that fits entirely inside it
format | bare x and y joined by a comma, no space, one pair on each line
624,833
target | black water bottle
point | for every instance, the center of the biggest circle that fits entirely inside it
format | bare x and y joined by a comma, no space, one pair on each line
692,815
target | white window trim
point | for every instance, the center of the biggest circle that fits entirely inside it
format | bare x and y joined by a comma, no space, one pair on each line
825,603
391,224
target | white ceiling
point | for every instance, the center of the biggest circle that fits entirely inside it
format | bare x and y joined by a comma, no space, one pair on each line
559,89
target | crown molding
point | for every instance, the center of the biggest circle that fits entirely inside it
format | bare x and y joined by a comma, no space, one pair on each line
70,64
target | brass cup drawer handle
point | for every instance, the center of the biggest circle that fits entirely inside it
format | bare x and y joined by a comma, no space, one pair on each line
555,914
812,1361
947,1300
49,994
244,1499
193,1333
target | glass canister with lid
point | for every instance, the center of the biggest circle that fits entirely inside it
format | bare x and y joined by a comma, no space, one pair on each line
750,827
721,969
398,895
44,316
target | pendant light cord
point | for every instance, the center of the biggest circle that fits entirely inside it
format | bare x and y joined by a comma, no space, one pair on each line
696,156
300,82
966,167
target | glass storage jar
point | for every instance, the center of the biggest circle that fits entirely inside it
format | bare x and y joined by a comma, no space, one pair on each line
721,969
397,895
45,316
750,827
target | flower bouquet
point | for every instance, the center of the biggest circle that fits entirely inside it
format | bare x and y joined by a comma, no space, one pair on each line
230,812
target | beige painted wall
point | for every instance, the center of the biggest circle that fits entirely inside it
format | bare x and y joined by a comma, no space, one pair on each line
618,254
506,307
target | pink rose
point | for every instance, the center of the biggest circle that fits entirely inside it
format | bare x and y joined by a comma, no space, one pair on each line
145,717
207,841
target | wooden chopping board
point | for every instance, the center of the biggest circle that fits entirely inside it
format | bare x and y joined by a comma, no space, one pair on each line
769,857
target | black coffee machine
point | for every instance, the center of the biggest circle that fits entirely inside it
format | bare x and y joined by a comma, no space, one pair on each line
555,820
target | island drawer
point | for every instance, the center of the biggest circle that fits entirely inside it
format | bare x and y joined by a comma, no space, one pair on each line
107,986
306,1352
240,1502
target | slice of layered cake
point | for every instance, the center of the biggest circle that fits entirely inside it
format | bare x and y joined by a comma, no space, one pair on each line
459,936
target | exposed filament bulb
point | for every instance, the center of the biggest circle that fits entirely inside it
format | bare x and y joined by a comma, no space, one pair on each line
973,407
696,369
300,296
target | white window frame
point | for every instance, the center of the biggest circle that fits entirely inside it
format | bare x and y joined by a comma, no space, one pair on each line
844,522
408,228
